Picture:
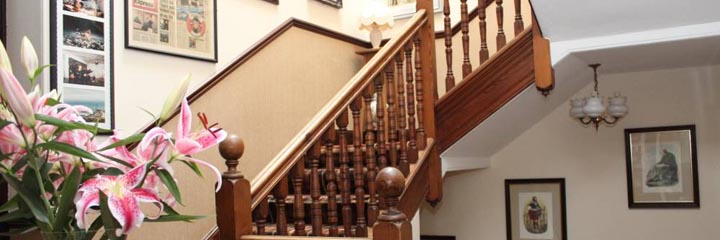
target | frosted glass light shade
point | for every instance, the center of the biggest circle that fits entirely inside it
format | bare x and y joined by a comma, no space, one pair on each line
576,108
376,16
594,107
618,106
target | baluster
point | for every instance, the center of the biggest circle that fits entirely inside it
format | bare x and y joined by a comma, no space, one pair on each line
261,214
392,121
392,224
330,176
373,209
299,203
315,192
484,52
342,123
450,77
403,164
361,226
380,108
501,33
419,95
280,193
466,67
519,25
232,201
412,154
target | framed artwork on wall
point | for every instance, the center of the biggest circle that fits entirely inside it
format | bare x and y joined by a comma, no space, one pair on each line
406,8
276,2
81,49
662,167
185,28
535,209
334,3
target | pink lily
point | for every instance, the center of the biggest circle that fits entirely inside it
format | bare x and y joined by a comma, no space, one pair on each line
187,143
16,97
123,195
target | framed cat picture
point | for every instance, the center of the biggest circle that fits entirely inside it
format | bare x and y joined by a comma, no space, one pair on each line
662,167
535,209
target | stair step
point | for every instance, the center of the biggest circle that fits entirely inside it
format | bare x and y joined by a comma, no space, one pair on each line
271,229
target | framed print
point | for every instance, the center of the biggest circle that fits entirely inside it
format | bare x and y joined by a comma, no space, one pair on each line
535,209
334,3
82,52
406,8
662,167
185,28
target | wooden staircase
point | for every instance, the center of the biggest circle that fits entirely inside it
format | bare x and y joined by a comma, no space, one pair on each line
362,167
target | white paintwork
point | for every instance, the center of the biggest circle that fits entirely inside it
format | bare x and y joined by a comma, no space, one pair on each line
563,20
415,223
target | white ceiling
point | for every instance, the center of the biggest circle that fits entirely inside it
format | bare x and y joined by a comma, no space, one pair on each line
563,20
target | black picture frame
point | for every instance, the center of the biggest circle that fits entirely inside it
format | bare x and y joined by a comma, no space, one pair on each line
632,203
335,3
109,47
508,202
276,2
214,58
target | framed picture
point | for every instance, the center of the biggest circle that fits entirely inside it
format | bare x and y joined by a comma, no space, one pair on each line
276,2
406,8
535,209
185,28
82,52
662,167
334,3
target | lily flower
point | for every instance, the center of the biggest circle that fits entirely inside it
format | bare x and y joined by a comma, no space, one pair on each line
29,58
123,195
4,59
173,100
16,97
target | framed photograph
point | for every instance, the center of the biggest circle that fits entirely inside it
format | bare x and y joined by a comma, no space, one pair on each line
406,8
82,52
535,209
662,167
276,2
185,28
334,3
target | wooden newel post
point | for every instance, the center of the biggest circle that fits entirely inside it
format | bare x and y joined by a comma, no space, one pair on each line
232,202
392,224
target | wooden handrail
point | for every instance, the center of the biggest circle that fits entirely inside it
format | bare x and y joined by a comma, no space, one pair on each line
292,153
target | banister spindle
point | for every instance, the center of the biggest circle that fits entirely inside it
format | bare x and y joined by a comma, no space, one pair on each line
372,210
299,203
361,226
484,52
261,214
380,109
419,95
464,21
331,177
232,202
392,223
449,77
519,25
412,154
280,193
403,164
392,117
316,216
342,123
501,33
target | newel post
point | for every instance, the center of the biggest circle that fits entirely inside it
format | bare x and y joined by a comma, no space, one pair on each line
232,202
392,224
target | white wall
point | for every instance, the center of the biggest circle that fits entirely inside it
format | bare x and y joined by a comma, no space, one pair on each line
593,164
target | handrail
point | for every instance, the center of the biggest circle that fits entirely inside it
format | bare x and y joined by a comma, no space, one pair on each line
293,151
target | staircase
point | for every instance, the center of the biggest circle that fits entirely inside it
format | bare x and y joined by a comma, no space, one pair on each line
362,166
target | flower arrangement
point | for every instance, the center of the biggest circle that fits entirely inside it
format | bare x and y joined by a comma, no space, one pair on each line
50,156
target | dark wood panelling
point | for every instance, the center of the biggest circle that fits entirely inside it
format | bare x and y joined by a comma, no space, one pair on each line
485,90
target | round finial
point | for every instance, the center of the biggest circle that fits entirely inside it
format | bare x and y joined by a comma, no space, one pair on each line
232,148
391,182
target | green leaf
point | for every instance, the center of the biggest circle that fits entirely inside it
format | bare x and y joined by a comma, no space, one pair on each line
33,201
193,166
170,183
169,210
67,148
94,227
175,218
108,221
117,160
21,163
19,231
39,70
69,189
15,216
128,140
4,123
11,204
65,125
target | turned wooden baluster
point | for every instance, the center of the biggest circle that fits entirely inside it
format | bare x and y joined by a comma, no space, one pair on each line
232,202
316,216
392,223
464,22
372,210
519,25
419,95
280,193
299,203
342,123
403,164
261,214
501,33
392,121
484,52
361,226
412,154
449,77
380,112
330,176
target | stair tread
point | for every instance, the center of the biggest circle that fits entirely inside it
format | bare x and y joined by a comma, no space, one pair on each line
272,230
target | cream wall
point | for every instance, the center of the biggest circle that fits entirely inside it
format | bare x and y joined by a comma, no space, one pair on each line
593,164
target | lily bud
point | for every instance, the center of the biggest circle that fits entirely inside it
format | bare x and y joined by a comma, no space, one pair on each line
29,58
16,97
173,100
4,59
